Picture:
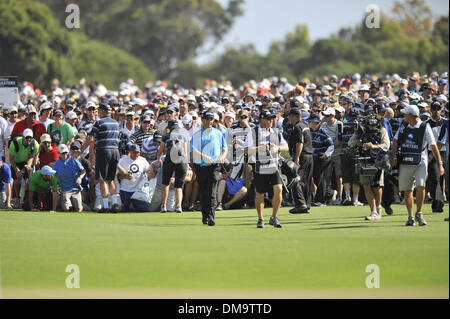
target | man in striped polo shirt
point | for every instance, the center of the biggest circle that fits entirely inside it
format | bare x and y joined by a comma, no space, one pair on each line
105,132
143,133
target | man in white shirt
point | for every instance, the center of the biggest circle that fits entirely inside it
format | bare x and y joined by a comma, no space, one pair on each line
133,172
188,128
262,146
410,151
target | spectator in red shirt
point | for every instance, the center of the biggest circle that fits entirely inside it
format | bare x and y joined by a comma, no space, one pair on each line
31,122
48,153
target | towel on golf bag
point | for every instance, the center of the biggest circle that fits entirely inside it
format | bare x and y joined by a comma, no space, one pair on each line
143,194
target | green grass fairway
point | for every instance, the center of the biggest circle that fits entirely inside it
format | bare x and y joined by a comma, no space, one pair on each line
323,254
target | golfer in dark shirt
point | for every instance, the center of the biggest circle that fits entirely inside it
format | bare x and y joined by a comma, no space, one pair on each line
300,148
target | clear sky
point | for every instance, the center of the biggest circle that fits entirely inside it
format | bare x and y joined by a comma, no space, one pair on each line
267,20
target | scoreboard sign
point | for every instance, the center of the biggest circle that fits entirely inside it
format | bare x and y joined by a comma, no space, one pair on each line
9,91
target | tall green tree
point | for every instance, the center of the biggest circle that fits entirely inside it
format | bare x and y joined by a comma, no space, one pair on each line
161,33
35,48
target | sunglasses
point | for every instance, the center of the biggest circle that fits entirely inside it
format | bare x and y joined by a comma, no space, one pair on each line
194,117
244,117
28,138
46,143
146,122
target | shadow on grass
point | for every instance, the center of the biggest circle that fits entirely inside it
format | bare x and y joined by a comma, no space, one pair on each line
341,227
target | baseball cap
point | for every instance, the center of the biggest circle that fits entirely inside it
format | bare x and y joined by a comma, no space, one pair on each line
230,114
426,85
129,112
187,119
172,124
57,112
216,117
294,111
113,102
436,106
314,118
75,145
30,109
47,170
329,111
346,99
134,148
104,107
171,108
46,138
411,109
442,81
354,112
190,97
27,132
157,137
311,86
62,148
71,115
13,110
45,106
339,108
425,114
90,104
208,114
266,115
364,87
246,106
145,118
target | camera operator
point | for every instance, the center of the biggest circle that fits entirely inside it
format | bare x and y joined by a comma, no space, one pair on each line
350,178
435,181
372,139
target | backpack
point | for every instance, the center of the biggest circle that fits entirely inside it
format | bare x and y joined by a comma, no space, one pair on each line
16,143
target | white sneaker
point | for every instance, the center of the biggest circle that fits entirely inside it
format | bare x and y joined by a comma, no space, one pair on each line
333,199
358,203
373,216
379,210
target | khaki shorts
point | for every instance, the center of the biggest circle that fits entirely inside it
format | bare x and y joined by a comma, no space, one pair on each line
71,199
410,173
335,162
374,181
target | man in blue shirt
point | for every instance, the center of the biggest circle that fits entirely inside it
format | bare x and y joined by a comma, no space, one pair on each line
5,184
70,174
208,148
